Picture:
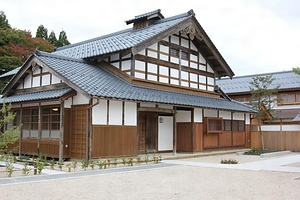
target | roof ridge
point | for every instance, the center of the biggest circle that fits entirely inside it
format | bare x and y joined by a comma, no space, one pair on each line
43,53
92,39
187,14
253,75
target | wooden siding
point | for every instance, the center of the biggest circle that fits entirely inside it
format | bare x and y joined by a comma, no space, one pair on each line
29,146
198,137
67,132
110,141
184,137
78,131
285,140
49,148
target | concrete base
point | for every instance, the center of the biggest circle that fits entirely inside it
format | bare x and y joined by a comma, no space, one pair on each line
279,153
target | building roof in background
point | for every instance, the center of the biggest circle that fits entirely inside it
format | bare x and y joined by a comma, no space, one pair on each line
10,73
240,84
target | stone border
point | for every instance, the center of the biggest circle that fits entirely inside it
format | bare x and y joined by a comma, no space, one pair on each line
273,154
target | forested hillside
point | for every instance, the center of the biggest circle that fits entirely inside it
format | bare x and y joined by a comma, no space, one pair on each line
16,45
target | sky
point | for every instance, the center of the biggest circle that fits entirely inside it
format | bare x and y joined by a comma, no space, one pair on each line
253,36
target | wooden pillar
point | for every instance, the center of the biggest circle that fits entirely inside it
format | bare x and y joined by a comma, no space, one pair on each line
61,135
39,128
281,136
174,132
193,131
21,130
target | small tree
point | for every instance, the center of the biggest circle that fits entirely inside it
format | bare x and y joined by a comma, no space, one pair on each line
8,133
296,70
42,32
52,38
263,99
62,39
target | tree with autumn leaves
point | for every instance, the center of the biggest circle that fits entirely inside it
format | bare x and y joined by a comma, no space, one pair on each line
16,45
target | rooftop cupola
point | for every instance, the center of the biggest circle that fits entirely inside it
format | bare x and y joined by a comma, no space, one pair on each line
146,19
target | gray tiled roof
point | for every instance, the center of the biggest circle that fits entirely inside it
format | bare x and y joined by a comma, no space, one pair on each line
120,40
240,84
99,82
10,73
41,95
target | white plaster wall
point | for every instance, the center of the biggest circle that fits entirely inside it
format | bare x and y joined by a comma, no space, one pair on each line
198,115
140,65
184,75
210,113
292,127
163,80
68,103
115,64
27,81
143,52
164,49
46,79
152,54
99,113
165,133
184,43
164,70
115,113
174,60
174,82
126,65
210,81
139,75
193,77
209,88
175,73
130,114
20,86
80,99
202,79
152,68
225,114
152,77
193,65
36,70
163,57
175,39
183,116
201,59
153,46
238,116
209,69
114,57
248,120
127,56
36,81
55,79
193,46
184,62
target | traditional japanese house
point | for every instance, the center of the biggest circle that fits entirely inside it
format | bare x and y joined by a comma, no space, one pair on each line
283,132
149,88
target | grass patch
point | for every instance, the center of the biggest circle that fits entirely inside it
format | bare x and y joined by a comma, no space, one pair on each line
257,152
229,161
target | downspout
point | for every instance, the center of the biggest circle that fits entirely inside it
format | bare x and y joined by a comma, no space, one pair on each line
88,152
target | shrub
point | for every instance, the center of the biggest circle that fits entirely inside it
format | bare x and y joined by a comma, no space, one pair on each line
229,161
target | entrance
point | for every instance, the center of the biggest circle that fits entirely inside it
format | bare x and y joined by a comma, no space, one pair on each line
147,132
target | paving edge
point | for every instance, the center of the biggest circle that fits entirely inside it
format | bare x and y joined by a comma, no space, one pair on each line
273,154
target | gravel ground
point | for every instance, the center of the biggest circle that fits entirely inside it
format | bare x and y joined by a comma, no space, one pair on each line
174,182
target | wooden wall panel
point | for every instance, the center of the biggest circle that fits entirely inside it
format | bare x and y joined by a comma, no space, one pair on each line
67,132
198,137
211,140
285,140
248,136
225,139
49,148
29,146
78,131
184,137
110,141
238,139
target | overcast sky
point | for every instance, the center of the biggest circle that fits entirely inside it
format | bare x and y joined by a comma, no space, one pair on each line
254,36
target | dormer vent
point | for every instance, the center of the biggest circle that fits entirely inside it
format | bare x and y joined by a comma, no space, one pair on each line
146,19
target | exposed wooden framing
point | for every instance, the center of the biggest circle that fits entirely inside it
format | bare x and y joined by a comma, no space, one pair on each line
163,35
116,71
41,88
176,46
39,127
132,67
61,135
161,110
172,65
174,131
107,112
21,129
193,129
123,113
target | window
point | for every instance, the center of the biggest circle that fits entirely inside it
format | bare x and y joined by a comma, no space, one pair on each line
51,122
290,98
227,125
184,55
30,122
238,125
175,52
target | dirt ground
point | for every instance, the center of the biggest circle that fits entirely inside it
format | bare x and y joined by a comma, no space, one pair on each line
171,182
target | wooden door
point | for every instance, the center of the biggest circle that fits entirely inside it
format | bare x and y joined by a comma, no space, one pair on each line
151,132
147,130
78,131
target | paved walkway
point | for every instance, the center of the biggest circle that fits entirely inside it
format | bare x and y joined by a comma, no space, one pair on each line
274,164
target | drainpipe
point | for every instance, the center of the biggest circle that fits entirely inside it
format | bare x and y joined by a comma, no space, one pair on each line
88,153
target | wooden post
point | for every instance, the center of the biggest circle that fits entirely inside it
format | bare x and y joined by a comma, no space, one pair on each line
281,135
174,132
39,128
61,135
193,131
21,130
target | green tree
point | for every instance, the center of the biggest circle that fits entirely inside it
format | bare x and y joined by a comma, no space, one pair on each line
296,70
8,132
42,32
263,100
52,38
4,21
62,39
